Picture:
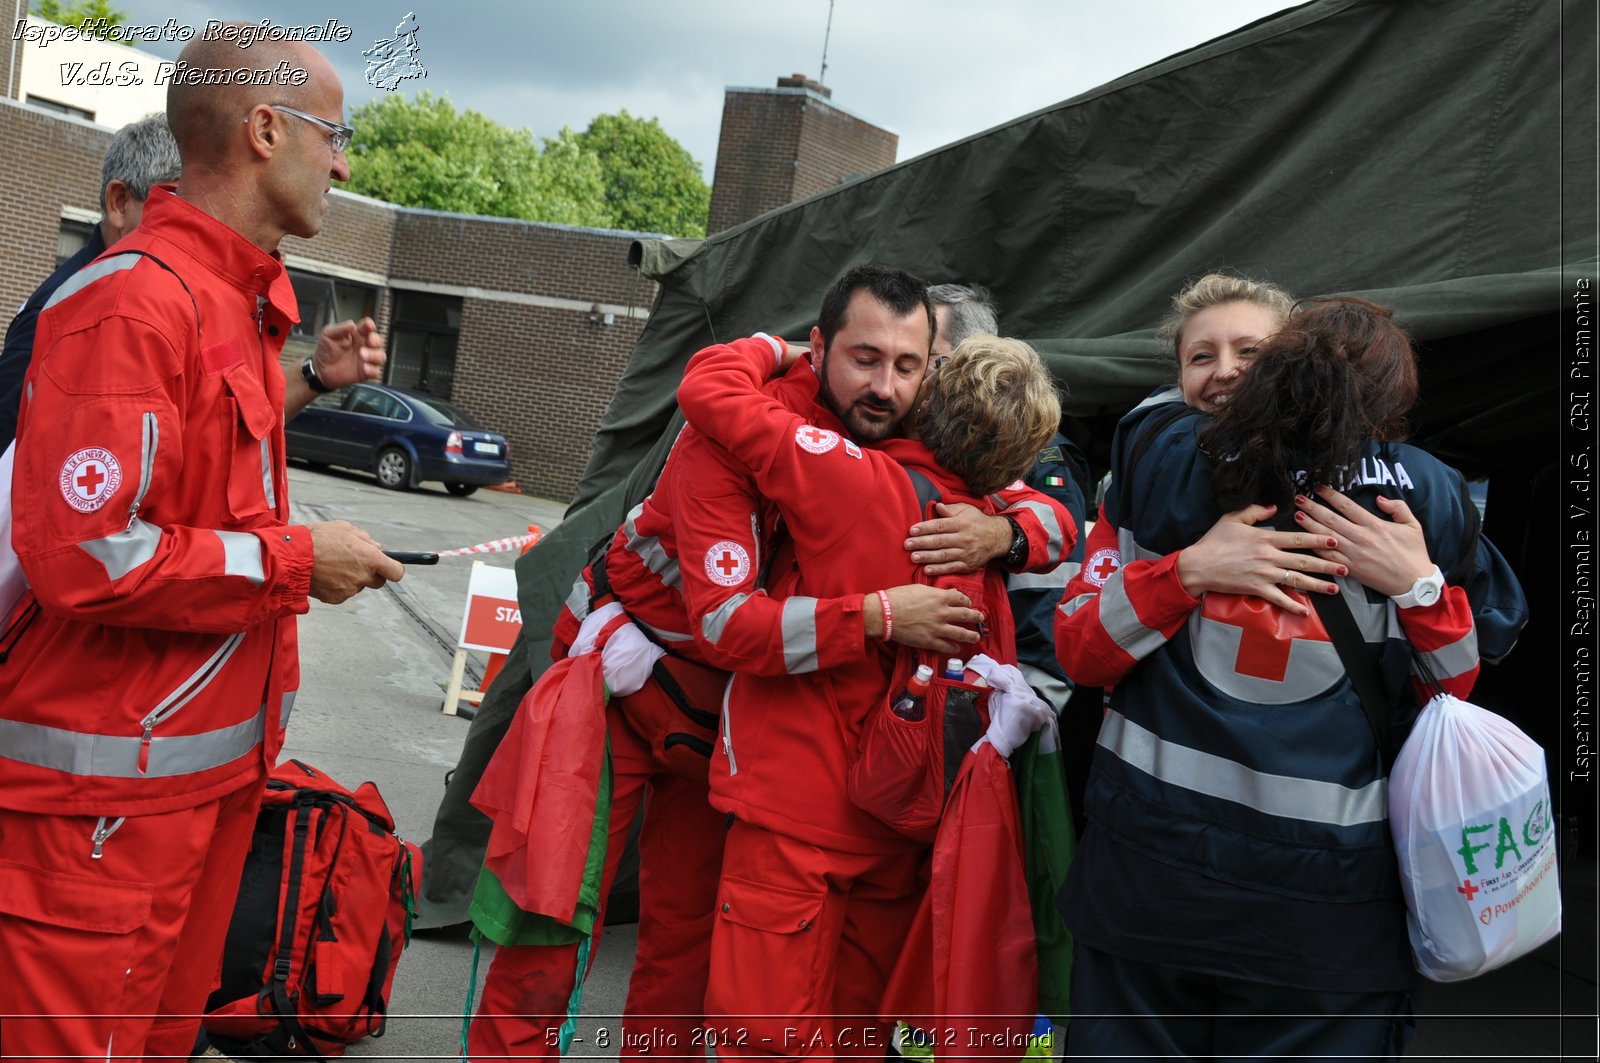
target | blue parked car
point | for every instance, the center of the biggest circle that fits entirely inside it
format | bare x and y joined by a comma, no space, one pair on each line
402,437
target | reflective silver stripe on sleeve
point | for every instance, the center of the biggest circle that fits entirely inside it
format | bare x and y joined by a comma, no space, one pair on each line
285,708
1047,686
242,555
1458,658
126,550
91,273
1069,607
1276,795
1052,527
1129,550
778,349
117,757
1056,579
1122,624
650,551
578,599
266,472
800,635
714,623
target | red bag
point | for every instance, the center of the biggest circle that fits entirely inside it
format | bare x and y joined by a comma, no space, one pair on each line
325,908
903,769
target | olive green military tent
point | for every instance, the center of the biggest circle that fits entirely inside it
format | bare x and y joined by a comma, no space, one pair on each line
1434,155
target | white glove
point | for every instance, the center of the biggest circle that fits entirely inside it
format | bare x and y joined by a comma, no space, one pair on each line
589,630
626,660
1015,711
627,656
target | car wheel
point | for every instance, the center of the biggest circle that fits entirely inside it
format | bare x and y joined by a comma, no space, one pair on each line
393,469
460,490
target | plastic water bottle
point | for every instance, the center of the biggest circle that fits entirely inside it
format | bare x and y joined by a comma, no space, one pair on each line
954,670
912,702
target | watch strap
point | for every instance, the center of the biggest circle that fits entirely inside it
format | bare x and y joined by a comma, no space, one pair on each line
308,373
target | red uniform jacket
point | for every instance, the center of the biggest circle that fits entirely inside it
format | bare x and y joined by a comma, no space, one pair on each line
152,522
787,742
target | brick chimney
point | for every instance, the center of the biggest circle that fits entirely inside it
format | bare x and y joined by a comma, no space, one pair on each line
785,143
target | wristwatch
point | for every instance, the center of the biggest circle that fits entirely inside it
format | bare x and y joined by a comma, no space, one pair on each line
308,373
1018,554
1425,591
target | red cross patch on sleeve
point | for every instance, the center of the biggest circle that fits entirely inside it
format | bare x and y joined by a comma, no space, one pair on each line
89,478
727,563
815,440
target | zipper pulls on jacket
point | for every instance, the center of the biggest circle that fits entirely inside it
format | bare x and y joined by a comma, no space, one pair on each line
147,464
101,833
149,725
261,313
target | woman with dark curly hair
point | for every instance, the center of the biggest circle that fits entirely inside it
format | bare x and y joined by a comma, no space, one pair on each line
1236,889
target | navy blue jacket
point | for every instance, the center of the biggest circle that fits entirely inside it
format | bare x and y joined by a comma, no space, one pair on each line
1238,802
18,354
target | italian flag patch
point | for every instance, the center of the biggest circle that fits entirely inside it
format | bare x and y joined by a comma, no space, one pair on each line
1054,481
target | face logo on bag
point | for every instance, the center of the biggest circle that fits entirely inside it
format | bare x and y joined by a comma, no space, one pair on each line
727,563
815,440
1101,566
89,478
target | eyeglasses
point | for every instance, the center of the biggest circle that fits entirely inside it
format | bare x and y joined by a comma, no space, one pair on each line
341,133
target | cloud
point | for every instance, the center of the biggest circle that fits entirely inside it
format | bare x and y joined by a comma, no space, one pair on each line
932,71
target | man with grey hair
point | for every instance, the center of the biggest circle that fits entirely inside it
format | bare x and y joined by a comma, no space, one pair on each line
140,155
961,311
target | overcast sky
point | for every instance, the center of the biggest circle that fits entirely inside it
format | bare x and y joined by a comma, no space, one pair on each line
932,71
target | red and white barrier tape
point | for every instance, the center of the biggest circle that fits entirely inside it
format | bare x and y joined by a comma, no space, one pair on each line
497,546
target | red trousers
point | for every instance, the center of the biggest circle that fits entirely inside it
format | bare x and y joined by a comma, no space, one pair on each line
113,958
524,1000
804,943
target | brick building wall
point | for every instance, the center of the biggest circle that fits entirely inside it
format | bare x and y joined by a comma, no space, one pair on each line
530,363
756,151
782,144
55,164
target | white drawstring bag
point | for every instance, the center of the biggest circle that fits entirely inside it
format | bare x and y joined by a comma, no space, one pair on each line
1469,805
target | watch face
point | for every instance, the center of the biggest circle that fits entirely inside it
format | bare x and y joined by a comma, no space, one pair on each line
1427,593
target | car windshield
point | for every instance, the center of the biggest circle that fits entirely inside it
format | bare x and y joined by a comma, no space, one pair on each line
443,414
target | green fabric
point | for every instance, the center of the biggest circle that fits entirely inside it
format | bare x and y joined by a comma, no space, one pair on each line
1050,841
497,917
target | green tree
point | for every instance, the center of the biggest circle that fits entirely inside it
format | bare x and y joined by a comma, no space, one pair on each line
79,13
621,173
652,183
424,153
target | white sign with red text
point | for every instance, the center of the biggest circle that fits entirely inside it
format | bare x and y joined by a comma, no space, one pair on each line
492,618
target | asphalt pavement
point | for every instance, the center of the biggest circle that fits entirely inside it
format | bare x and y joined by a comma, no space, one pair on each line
373,673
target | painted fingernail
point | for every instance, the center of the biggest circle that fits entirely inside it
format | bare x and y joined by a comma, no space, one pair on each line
1302,499
1341,570
1333,542
1331,590
1301,517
